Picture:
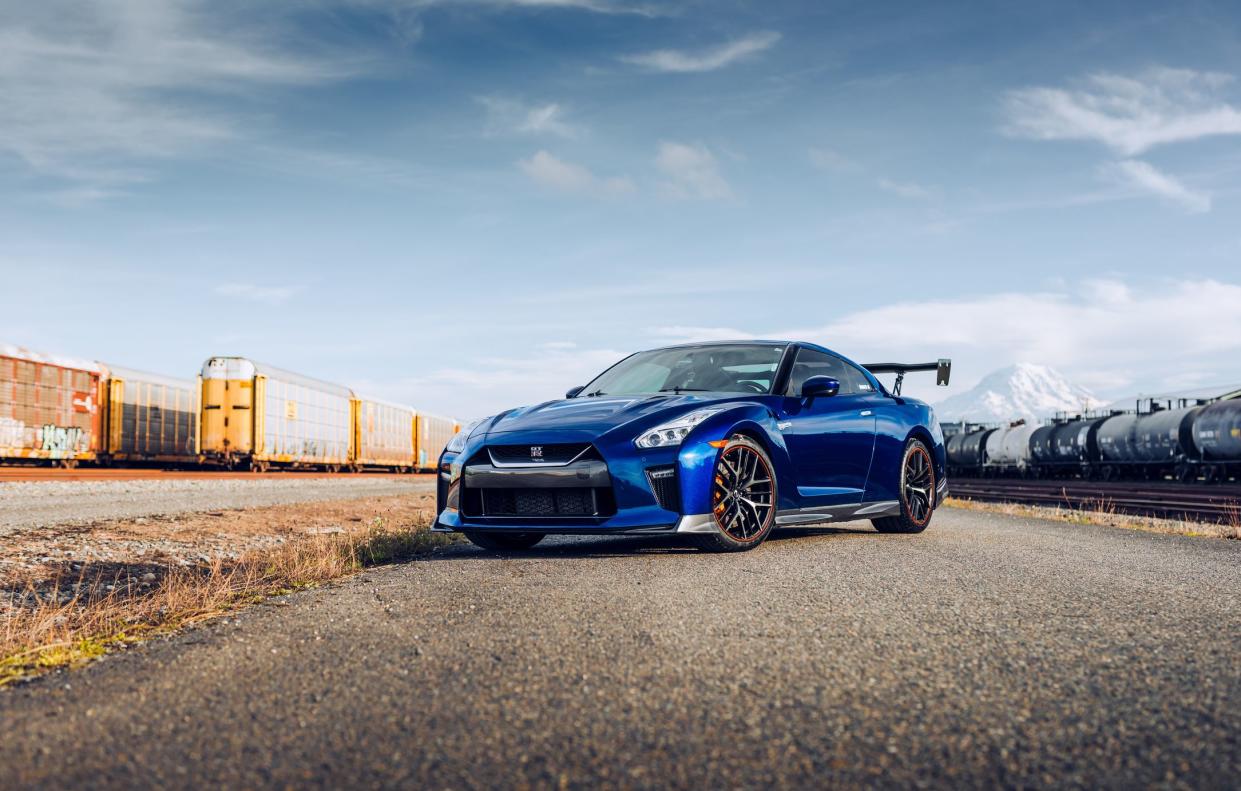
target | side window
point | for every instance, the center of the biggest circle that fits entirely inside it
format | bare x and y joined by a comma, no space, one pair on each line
857,381
811,362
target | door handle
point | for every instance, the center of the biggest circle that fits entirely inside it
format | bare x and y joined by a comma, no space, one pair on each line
866,413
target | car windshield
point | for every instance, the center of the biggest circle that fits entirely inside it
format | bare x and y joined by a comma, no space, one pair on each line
731,368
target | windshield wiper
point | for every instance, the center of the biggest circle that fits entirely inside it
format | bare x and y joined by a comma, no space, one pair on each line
679,390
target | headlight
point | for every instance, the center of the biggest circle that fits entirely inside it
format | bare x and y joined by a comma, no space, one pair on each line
457,443
674,432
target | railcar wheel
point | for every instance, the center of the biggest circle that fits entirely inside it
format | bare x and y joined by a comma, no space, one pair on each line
743,497
503,542
917,493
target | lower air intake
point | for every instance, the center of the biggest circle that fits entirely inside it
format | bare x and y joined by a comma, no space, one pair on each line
666,487
540,502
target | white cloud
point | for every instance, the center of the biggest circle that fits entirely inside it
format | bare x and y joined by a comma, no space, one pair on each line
509,116
482,386
1103,333
87,91
549,171
595,6
905,189
1106,334
1144,177
692,172
78,197
671,60
1128,114
680,333
267,295
829,159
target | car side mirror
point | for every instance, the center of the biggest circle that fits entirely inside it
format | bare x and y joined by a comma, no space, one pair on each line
574,391
819,386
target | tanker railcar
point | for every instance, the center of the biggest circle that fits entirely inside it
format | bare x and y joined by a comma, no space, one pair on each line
1008,451
1188,443
967,452
1216,435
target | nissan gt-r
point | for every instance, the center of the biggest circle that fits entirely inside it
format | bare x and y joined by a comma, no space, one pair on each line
722,442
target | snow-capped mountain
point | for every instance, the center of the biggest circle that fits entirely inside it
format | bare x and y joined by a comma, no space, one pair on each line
1023,390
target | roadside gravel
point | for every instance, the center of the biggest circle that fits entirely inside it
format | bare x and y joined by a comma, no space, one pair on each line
34,505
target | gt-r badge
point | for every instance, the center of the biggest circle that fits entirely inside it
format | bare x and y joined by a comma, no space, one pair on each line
785,424
536,453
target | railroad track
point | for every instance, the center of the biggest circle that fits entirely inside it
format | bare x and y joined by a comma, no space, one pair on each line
1161,500
18,474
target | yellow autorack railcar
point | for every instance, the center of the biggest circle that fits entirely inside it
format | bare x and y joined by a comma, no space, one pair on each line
383,435
148,417
433,434
259,416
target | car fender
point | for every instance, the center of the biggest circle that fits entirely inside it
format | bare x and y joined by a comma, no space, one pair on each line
896,423
697,457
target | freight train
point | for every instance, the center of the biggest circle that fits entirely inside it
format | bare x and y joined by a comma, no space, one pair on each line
1186,443
237,414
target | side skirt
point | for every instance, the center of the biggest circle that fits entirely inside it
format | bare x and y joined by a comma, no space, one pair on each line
837,513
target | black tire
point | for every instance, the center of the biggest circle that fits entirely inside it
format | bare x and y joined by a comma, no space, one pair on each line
503,542
742,467
917,492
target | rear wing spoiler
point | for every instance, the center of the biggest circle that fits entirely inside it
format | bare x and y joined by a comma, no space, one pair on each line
942,369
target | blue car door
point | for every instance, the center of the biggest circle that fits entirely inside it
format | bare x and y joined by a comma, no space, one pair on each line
830,439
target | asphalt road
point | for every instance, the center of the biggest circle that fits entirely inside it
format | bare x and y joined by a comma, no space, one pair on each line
988,651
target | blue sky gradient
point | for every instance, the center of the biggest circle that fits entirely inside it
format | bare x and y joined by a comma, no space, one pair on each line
469,205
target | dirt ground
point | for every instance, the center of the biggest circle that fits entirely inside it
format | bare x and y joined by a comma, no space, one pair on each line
136,551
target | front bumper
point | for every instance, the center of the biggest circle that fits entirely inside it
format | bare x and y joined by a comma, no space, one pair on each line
597,494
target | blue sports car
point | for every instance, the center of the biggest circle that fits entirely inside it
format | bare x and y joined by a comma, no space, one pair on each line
720,441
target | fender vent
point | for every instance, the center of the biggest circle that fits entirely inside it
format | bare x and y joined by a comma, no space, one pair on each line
666,487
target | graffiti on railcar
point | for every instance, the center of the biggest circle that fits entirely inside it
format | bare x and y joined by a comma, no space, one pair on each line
12,433
57,440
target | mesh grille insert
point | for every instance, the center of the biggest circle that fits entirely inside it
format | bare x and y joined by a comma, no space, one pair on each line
539,502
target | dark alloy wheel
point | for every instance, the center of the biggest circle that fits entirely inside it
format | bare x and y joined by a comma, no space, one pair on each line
917,493
743,497
503,542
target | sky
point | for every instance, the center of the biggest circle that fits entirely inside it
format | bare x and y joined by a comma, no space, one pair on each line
468,205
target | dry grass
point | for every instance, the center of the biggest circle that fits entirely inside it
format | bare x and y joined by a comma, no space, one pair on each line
43,631
1103,512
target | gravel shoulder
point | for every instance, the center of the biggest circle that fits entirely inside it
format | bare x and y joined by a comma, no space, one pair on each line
34,505
990,650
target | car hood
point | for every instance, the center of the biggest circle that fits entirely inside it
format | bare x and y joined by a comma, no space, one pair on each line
600,414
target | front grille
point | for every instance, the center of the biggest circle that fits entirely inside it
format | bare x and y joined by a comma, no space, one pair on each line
562,453
666,487
539,502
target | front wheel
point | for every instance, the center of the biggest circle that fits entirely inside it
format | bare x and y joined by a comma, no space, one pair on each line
917,493
503,542
743,497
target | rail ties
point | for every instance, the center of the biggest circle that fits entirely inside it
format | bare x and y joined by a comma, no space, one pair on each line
1221,504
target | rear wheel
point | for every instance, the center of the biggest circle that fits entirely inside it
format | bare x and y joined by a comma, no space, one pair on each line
503,542
917,493
743,497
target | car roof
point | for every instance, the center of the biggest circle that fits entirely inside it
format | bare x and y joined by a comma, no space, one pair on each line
742,342
748,342
758,342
